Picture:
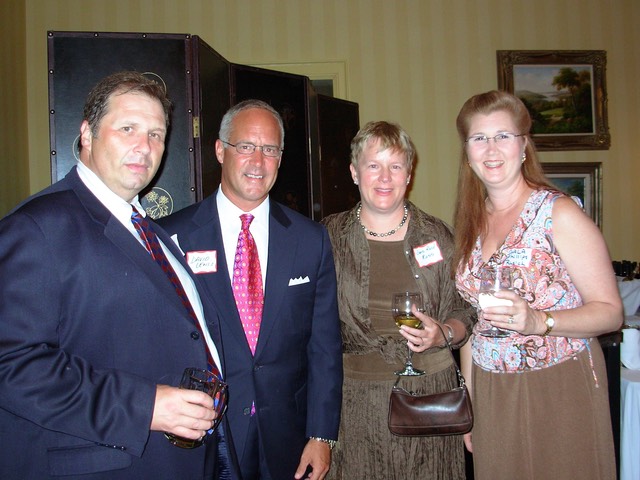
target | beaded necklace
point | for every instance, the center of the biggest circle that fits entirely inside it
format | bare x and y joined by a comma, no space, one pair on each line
390,232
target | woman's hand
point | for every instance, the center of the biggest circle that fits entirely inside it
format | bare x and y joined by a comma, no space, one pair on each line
421,339
518,316
468,441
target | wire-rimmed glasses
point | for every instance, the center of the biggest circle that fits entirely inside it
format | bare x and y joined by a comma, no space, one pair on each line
247,148
501,139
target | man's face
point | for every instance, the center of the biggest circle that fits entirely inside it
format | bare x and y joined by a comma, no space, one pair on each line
127,150
247,179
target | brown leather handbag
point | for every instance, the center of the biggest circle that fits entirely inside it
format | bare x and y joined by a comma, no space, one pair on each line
446,413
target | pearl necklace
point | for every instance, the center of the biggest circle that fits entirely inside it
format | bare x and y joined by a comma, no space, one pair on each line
390,232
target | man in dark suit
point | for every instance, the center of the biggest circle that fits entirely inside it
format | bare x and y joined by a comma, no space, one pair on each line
284,399
93,335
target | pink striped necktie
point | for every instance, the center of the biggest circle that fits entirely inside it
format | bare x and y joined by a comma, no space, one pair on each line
247,283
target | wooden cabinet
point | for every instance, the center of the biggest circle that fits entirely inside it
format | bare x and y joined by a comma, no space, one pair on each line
202,85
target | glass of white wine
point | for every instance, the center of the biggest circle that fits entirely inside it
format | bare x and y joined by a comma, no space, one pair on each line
401,304
494,278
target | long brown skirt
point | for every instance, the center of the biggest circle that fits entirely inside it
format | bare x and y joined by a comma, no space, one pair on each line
552,423
367,450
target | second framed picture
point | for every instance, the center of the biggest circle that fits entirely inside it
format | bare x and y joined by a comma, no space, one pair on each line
582,180
565,92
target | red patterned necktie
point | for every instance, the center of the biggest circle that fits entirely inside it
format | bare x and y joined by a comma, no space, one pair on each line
247,283
153,246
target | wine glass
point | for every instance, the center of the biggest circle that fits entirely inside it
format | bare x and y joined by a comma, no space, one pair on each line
401,309
209,383
494,278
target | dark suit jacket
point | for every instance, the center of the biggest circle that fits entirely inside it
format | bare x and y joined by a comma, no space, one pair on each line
295,377
89,324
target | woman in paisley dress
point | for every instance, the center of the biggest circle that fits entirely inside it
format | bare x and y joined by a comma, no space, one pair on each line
540,394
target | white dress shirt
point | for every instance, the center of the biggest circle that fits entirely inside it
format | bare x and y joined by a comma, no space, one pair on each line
230,225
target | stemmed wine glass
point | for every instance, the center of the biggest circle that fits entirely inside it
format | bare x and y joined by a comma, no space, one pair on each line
494,278
401,309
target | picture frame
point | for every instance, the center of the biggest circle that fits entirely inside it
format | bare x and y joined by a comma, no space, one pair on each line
565,93
580,179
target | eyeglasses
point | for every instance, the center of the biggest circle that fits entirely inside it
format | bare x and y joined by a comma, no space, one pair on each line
247,148
501,139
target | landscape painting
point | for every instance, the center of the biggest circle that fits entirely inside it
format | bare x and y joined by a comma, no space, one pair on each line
559,97
564,91
580,180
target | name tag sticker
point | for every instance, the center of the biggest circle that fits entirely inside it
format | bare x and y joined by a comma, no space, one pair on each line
427,254
205,261
519,257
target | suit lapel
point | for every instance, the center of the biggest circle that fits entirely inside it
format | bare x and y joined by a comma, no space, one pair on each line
115,232
206,234
282,249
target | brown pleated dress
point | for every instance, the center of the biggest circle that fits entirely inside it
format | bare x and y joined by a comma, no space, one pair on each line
366,449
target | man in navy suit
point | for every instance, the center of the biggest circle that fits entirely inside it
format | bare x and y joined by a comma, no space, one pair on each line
93,336
284,400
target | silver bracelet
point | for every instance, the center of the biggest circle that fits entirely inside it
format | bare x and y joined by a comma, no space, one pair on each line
450,332
331,443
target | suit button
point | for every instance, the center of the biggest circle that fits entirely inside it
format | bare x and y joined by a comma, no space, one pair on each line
195,335
256,368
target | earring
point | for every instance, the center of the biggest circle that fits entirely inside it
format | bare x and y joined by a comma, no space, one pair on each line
355,182
524,157
408,181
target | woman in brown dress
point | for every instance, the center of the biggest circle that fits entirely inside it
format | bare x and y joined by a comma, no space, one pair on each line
385,245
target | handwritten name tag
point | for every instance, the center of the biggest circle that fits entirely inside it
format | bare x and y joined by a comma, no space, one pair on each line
205,261
427,254
519,257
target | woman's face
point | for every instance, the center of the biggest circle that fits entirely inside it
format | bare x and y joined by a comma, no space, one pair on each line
382,177
496,161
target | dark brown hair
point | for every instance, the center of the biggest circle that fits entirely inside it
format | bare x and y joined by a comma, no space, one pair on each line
97,103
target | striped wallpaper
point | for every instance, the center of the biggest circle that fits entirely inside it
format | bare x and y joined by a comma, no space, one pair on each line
410,61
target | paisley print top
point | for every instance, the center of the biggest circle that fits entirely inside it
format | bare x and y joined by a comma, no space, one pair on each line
540,277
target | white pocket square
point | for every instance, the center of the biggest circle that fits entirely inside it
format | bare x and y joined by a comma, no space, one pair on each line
298,281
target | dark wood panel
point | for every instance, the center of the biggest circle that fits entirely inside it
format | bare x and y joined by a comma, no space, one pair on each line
338,123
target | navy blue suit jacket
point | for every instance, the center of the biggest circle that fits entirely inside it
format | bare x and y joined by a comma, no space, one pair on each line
89,324
295,377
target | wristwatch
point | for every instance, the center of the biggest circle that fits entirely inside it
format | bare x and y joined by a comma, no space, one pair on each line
550,322
331,443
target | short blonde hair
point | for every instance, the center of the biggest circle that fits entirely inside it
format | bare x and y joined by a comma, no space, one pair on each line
390,135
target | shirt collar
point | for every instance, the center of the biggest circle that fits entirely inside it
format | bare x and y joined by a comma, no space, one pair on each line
114,203
229,213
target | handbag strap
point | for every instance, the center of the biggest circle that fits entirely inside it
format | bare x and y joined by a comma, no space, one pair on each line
446,339
461,382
